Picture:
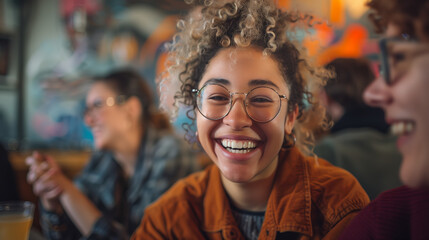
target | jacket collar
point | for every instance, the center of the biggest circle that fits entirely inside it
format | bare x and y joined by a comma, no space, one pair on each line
289,204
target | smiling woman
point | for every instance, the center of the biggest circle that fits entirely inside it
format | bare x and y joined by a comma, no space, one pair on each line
245,120
138,157
403,212
248,86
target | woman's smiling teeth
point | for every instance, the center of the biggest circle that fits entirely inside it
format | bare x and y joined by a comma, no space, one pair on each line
237,146
402,127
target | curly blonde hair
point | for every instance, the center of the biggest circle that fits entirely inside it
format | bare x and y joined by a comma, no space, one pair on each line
239,23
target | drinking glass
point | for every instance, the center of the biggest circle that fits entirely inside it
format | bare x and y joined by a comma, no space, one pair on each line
15,220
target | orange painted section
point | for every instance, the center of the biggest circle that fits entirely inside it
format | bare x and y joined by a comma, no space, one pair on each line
283,4
163,33
337,12
350,46
323,36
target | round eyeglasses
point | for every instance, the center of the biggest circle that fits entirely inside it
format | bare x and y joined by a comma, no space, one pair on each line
262,104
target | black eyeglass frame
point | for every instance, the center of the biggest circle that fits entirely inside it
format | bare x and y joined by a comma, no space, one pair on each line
231,94
384,54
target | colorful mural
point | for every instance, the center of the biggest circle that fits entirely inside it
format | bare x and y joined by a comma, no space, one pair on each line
96,36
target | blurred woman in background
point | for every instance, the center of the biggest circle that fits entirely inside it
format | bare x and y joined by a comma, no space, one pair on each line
358,141
138,158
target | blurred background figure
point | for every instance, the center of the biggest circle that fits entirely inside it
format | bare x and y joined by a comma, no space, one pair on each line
358,141
139,158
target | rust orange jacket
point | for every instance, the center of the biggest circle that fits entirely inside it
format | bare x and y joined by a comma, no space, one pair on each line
310,200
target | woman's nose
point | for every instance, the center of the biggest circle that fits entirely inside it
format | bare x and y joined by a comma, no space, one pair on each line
377,94
237,117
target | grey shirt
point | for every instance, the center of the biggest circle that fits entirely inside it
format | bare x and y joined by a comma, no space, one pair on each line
371,156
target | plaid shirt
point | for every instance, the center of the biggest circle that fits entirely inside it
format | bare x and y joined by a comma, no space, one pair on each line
163,159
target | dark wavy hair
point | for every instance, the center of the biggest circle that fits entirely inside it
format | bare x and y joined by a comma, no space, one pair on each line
352,76
129,83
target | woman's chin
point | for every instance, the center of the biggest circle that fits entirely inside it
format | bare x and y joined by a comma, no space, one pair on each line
411,175
237,176
99,145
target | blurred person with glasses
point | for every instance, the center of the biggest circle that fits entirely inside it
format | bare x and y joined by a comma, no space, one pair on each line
138,157
401,90
248,87
359,140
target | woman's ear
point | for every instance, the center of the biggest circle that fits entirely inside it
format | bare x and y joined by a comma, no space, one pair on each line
290,119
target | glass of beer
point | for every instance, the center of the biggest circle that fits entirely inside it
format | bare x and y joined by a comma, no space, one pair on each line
15,220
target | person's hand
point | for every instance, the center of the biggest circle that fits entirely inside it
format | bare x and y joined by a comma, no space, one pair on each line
46,177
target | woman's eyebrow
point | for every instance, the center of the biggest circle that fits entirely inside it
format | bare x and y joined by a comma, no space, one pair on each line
218,81
252,83
259,82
